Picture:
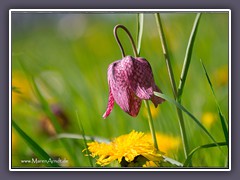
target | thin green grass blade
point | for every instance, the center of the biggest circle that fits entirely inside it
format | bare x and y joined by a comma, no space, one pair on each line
84,139
189,158
140,20
38,151
187,112
188,57
221,116
166,54
224,126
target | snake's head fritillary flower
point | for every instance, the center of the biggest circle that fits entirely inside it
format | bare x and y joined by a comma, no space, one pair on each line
130,81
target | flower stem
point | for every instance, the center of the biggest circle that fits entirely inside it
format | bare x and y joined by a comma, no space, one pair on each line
174,88
151,125
130,37
140,20
136,54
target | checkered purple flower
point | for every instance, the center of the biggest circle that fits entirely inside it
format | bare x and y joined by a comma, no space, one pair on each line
130,81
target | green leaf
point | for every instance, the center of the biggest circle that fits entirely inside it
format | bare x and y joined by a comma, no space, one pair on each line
189,158
140,20
188,57
187,112
38,151
166,54
221,116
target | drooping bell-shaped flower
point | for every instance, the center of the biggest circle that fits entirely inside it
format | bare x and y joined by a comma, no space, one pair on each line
130,81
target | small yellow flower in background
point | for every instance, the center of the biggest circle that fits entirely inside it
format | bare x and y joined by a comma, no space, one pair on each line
154,111
221,76
125,149
21,86
14,141
166,143
208,119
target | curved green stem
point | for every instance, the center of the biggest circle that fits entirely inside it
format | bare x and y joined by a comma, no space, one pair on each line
130,37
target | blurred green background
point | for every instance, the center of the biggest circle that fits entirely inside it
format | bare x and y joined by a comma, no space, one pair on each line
68,54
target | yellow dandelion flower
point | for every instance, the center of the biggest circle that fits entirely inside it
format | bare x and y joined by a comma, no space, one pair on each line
125,148
150,164
154,111
166,143
208,119
103,150
20,83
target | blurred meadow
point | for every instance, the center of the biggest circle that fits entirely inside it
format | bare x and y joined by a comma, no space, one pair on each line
59,63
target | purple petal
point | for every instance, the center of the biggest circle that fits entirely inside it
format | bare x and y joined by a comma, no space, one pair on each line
142,81
134,104
119,83
155,99
110,104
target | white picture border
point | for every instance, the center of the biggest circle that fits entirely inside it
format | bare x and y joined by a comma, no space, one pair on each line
114,11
